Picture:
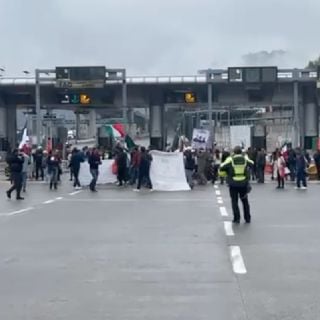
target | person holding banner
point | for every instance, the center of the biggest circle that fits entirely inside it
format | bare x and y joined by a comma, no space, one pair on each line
236,167
189,165
144,169
202,158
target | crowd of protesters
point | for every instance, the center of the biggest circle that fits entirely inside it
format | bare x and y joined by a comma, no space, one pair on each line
132,167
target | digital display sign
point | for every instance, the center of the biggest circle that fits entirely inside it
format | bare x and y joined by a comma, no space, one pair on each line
80,77
269,74
235,74
253,74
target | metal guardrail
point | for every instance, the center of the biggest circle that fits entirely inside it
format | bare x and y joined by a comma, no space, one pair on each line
293,74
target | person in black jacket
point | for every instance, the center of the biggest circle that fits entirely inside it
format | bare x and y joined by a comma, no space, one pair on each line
260,165
94,163
121,160
144,169
53,163
189,166
75,163
316,158
38,158
15,162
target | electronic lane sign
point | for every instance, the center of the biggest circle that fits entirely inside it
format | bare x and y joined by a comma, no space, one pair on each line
75,98
190,97
80,77
253,74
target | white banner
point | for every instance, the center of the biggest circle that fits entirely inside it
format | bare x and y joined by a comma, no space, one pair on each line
105,173
240,136
200,138
167,172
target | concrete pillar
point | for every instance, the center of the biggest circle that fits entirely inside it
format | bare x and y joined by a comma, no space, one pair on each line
310,115
3,126
311,120
296,117
92,131
3,122
12,125
157,126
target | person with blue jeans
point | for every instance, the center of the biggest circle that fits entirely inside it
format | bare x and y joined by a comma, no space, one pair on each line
301,171
134,165
94,163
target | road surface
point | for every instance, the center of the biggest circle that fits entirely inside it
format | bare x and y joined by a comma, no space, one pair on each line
122,255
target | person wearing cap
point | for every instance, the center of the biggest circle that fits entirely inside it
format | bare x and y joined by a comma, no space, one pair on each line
236,167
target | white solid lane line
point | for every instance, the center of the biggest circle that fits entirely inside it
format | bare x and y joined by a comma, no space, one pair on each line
19,211
223,211
237,260
228,228
74,193
218,192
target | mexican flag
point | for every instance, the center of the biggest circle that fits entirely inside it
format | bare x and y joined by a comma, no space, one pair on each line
129,142
116,131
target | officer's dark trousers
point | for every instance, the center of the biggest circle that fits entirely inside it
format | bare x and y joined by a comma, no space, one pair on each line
17,183
235,193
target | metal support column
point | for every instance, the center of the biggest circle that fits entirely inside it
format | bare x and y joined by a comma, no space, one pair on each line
77,126
124,98
210,109
38,108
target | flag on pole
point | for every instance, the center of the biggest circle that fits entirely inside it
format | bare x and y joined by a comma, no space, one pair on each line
24,140
129,142
116,131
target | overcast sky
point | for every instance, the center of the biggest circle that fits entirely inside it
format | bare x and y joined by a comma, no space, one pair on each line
157,36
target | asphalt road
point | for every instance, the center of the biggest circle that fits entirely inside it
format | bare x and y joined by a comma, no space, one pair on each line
122,255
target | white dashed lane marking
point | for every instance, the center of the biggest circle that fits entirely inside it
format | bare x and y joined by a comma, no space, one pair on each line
228,228
224,212
74,193
18,212
237,260
48,202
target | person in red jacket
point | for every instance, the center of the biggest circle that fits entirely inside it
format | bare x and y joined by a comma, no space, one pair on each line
134,165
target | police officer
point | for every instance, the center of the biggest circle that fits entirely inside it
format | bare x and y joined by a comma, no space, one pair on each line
236,167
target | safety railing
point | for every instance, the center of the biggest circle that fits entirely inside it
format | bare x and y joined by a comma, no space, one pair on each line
293,74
